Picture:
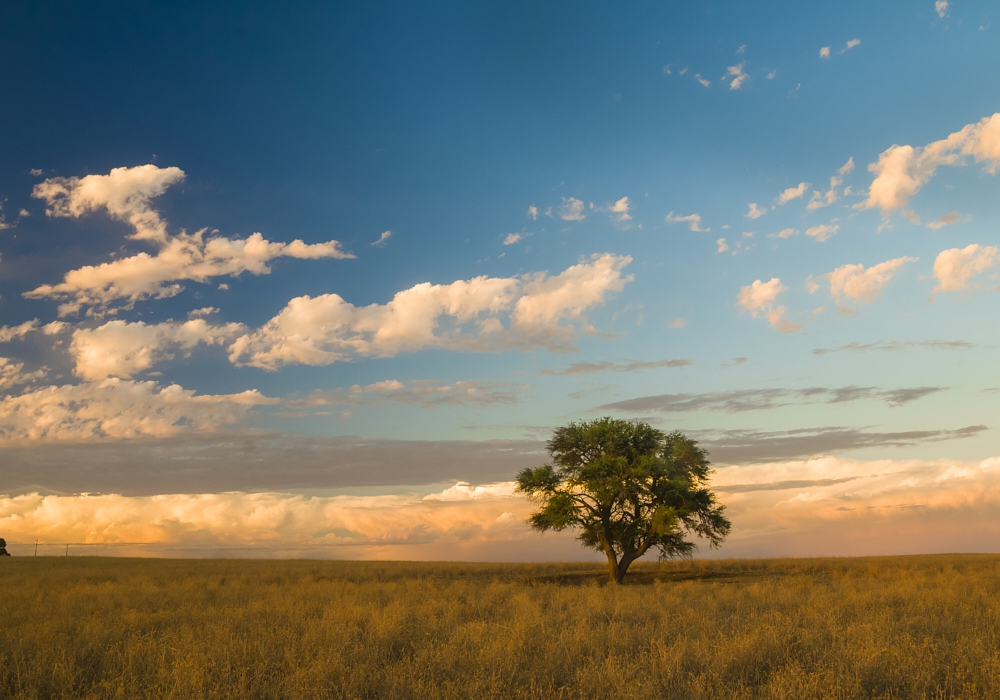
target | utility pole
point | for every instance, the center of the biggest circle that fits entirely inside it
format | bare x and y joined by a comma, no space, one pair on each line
67,550
36,547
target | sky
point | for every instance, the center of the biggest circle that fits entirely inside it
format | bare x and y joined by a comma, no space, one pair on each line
311,279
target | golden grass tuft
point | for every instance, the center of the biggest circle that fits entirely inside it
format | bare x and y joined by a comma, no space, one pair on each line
901,627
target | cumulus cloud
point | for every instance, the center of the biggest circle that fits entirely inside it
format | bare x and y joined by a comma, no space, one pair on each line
847,167
619,211
126,194
533,212
956,267
512,238
952,217
784,233
383,239
12,374
852,43
703,81
793,193
118,408
755,212
856,283
822,232
540,310
9,333
825,199
824,52
901,171
736,76
758,299
693,220
120,349
571,210
203,312
721,245
942,8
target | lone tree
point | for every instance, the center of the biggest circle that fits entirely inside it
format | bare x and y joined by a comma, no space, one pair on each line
627,487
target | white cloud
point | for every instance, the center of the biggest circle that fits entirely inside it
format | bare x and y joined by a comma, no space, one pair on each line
952,217
512,238
954,268
9,333
571,210
722,245
203,312
120,349
852,43
12,374
847,167
118,408
383,239
770,76
620,210
541,311
854,282
827,198
822,232
901,171
126,193
676,323
693,219
706,83
755,212
941,7
793,193
824,52
784,233
737,75
759,298
742,49
533,212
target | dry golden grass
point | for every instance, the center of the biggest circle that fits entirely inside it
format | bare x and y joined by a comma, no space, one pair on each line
905,627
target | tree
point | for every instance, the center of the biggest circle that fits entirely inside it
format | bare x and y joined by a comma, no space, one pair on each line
628,487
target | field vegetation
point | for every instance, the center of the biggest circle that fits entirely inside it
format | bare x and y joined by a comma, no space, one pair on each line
904,627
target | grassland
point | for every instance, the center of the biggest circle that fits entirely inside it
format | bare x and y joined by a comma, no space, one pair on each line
904,627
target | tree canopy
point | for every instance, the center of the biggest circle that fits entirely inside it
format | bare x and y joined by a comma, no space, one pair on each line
628,488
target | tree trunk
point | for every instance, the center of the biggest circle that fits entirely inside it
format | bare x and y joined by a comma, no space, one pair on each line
613,566
617,568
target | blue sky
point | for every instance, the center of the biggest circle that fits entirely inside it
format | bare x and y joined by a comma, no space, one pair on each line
614,180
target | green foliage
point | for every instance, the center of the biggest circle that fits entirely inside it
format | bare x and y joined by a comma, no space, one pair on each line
628,488
806,629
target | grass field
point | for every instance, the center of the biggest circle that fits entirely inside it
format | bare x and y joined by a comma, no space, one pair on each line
902,627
